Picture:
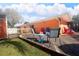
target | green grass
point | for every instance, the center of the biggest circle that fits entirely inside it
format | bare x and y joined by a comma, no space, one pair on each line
18,47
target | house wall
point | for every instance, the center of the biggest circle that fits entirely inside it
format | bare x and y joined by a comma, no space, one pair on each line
3,32
49,23
25,29
52,23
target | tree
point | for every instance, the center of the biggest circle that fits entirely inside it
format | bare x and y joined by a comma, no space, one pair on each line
76,18
75,23
12,16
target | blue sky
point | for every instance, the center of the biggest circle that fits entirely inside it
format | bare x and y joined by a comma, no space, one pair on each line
47,4
33,12
72,5
67,4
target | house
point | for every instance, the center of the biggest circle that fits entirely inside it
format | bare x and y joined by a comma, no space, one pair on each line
52,22
24,28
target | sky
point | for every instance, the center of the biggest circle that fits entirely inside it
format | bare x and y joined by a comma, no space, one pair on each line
37,11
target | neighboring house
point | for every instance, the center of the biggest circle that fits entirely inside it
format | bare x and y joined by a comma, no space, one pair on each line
24,29
53,22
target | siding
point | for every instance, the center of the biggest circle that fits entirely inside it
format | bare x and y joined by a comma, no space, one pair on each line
49,23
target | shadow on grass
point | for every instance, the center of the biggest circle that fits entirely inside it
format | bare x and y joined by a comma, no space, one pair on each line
17,45
70,49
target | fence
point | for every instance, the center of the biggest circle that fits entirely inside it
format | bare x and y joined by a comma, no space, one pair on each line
12,31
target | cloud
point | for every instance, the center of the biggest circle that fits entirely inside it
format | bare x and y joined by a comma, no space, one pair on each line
54,9
41,10
35,8
27,18
76,9
28,7
44,10
35,18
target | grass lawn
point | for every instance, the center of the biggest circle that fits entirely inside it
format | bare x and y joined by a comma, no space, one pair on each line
17,47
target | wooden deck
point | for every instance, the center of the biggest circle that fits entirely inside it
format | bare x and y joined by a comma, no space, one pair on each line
67,45
49,48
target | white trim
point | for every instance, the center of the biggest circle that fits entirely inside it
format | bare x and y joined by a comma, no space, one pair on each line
6,27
